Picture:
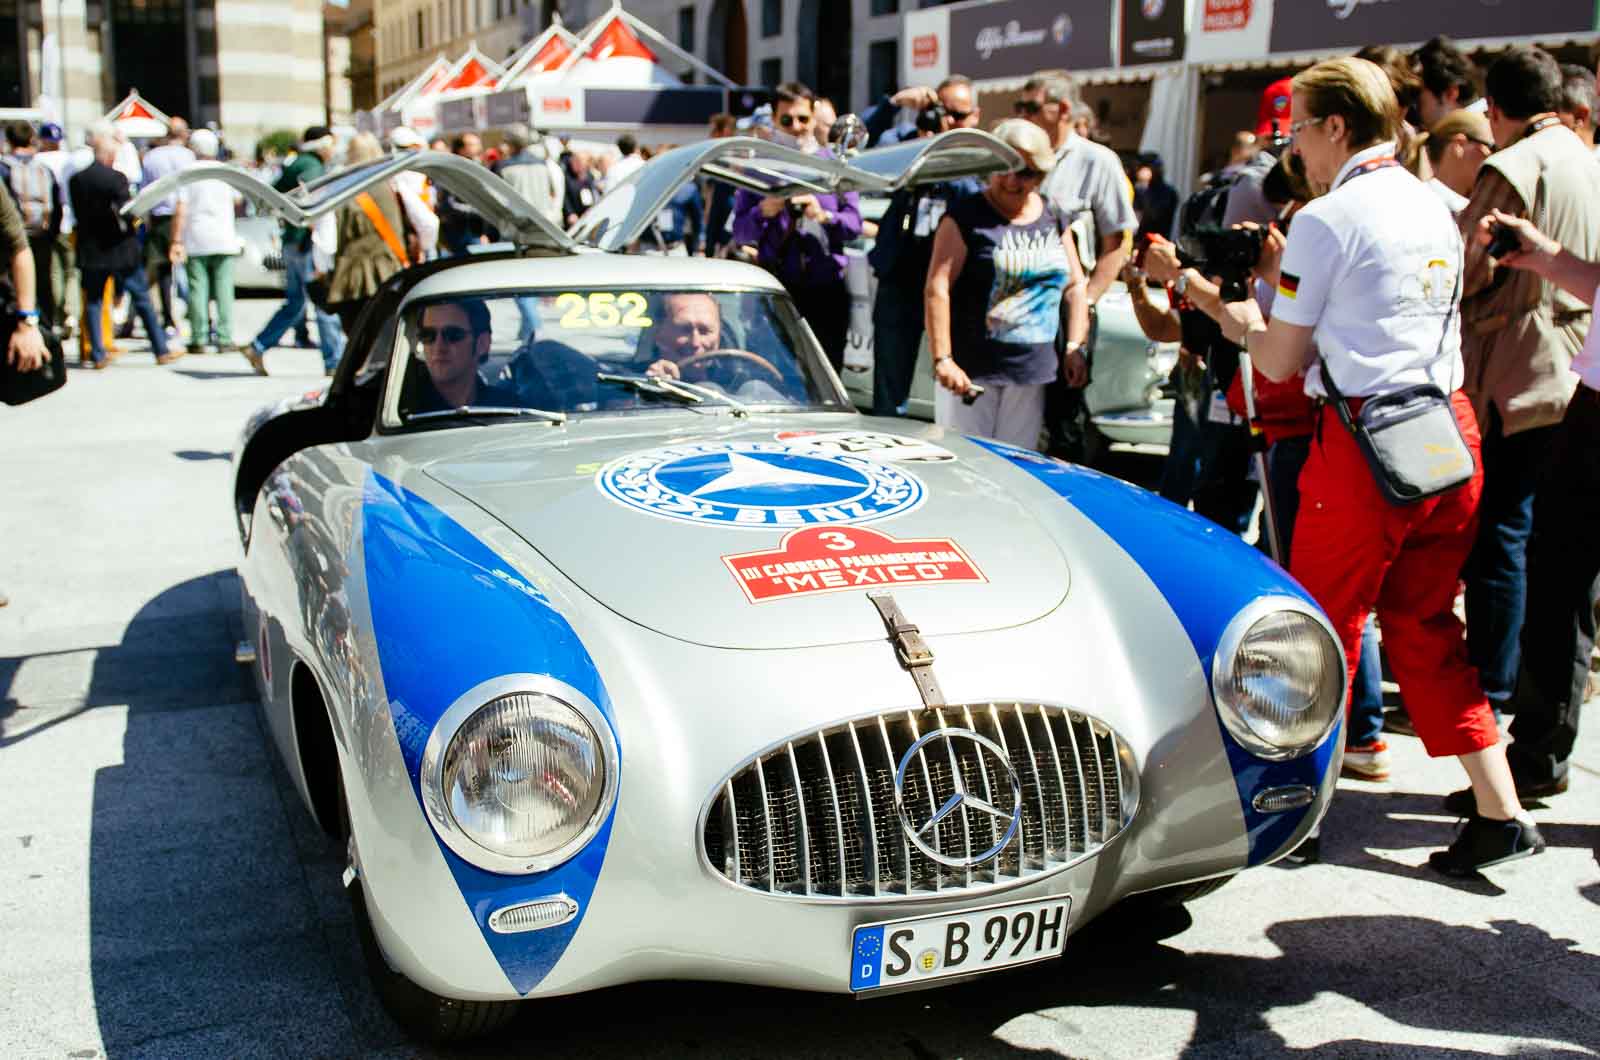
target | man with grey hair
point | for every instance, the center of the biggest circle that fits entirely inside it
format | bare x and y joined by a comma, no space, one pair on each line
537,177
1089,187
108,250
204,243
1577,107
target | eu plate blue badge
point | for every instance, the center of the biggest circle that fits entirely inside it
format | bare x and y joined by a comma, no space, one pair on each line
759,485
867,958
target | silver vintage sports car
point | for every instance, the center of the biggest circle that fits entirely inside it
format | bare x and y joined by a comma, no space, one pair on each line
612,644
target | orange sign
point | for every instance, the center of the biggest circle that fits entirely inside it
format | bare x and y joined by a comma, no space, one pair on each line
925,49
1223,15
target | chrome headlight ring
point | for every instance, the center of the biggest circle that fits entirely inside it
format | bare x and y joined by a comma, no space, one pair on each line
1309,720
436,798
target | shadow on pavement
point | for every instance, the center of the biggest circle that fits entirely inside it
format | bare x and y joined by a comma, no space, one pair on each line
201,454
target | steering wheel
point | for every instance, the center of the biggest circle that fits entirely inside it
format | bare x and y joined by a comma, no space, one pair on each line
738,356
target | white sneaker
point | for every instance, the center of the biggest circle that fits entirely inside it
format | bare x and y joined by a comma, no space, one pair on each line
1367,762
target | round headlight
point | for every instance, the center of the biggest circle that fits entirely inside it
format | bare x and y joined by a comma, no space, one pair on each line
519,783
1279,679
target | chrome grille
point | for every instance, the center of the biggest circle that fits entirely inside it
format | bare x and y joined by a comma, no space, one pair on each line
816,816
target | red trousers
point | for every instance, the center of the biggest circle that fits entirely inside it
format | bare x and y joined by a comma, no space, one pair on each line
1355,553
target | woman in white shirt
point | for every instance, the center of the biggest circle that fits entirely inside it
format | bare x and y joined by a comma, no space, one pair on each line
1370,276
206,243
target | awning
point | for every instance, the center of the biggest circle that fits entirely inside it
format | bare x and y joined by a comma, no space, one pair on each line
138,118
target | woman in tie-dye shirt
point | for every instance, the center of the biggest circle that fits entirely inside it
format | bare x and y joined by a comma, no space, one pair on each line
1002,264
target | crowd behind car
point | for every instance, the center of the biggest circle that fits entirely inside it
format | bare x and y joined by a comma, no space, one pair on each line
1001,280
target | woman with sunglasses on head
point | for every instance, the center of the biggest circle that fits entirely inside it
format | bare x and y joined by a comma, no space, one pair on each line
1370,277
1003,260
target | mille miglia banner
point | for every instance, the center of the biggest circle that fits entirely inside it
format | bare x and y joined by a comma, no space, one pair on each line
1015,38
1321,25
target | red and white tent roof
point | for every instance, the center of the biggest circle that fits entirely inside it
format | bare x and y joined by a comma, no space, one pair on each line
472,70
138,118
542,56
618,50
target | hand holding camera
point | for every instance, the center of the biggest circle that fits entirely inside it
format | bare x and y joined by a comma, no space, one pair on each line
1515,242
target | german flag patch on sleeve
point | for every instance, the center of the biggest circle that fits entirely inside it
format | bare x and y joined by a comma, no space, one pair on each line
1288,284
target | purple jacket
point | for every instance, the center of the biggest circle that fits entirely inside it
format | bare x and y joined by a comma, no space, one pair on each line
802,260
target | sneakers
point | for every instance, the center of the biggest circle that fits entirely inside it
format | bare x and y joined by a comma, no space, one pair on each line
1462,804
1367,762
255,359
175,353
1483,842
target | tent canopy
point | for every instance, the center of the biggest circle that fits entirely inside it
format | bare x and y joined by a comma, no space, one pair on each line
138,118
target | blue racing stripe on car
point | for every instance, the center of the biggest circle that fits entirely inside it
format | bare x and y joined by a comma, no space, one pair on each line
1207,576
447,615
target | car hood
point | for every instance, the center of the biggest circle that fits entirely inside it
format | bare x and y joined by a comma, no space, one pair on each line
769,534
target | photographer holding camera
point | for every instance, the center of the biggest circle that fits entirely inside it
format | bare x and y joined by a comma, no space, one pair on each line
1370,279
903,249
949,105
801,239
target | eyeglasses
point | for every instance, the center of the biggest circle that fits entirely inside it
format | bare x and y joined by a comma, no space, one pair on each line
1028,174
450,334
1297,127
786,120
1027,107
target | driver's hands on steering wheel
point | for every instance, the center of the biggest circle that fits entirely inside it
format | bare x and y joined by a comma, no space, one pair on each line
664,369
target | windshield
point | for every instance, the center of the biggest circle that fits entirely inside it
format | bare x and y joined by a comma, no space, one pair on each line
609,350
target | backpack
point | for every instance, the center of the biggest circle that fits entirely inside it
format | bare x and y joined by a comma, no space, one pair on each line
33,186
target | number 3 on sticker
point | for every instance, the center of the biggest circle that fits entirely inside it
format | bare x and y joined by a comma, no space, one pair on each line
603,309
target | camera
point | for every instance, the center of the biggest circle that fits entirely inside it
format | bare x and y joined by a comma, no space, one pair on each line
931,119
1227,253
974,392
1503,240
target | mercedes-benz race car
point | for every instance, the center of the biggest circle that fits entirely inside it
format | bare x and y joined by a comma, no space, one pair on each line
612,644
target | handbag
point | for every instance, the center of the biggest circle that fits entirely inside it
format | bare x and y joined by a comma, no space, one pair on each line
18,387
1410,439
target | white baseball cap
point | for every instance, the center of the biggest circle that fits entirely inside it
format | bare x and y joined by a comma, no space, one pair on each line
404,136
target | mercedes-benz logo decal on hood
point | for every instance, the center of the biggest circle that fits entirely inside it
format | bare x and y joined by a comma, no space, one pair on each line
942,754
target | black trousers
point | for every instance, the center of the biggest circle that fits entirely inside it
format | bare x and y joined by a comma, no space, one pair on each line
43,245
1066,413
896,341
1558,630
826,307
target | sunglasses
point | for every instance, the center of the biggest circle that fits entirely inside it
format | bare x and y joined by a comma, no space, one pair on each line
1027,176
450,334
787,120
958,116
1027,106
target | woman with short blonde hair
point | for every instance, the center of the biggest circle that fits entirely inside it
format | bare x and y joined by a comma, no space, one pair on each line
1369,277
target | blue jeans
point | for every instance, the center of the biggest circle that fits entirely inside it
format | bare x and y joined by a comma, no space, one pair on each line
1284,461
330,337
137,285
1497,571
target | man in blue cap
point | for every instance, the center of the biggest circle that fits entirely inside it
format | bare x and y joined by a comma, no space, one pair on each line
63,266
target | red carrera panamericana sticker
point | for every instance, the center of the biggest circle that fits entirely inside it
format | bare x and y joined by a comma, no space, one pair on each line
821,560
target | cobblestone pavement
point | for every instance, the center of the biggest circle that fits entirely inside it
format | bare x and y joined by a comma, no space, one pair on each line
163,893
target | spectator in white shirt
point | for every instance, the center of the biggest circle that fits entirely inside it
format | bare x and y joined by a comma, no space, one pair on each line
205,243
624,166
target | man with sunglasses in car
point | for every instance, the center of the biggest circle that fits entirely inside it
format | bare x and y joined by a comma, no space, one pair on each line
1087,185
454,339
800,239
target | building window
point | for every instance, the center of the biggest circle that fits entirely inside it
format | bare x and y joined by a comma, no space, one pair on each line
883,68
771,17
885,7
771,71
421,40
686,28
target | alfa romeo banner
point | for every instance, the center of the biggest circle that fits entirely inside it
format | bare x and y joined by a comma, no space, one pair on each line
1152,31
1321,25
1015,38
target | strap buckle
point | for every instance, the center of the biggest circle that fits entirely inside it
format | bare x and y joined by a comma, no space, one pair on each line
910,649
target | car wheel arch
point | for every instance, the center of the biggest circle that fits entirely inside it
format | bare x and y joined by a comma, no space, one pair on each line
316,749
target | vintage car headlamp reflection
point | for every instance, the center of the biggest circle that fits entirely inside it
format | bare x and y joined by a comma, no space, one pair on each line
519,774
1279,678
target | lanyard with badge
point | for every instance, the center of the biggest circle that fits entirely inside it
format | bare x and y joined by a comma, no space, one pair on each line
1411,440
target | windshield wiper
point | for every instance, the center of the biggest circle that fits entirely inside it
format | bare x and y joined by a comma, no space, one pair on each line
690,393
468,411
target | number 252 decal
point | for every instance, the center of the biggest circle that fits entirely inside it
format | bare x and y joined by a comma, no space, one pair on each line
603,309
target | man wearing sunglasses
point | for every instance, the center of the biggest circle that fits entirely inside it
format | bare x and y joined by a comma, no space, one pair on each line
801,239
1089,187
953,96
453,339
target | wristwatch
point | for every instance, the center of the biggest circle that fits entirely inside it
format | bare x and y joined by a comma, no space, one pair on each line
1180,286
27,316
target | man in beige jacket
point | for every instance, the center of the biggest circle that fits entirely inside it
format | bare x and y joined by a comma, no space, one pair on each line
1520,334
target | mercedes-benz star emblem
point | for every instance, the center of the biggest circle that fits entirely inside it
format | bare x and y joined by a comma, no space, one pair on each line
921,822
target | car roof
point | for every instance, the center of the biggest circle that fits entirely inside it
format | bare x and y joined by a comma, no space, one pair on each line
592,269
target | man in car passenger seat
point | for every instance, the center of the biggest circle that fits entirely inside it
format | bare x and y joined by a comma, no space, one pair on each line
454,338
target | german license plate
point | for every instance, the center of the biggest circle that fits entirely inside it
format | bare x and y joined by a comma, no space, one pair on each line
910,952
